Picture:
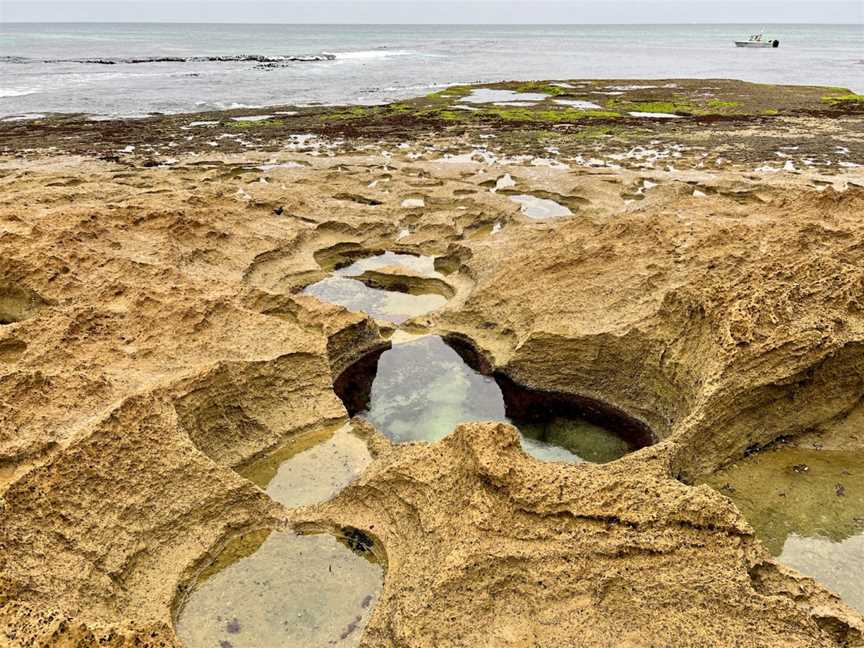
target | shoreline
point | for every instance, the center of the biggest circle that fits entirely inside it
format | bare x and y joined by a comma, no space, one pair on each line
587,116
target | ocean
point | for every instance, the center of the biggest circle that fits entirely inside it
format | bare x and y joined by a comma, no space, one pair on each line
136,69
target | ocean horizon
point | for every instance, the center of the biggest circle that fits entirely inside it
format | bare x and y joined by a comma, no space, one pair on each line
135,69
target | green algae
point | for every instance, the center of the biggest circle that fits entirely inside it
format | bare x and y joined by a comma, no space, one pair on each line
264,123
848,99
452,92
670,107
539,86
719,104
352,112
567,115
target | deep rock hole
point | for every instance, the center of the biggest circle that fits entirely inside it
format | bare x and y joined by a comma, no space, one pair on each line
420,390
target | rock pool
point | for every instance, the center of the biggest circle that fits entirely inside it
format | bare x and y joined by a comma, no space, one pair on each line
807,508
420,390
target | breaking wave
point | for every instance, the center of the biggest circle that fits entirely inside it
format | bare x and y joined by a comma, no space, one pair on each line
367,54
231,58
14,92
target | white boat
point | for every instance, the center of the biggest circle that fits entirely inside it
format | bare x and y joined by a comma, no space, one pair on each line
758,40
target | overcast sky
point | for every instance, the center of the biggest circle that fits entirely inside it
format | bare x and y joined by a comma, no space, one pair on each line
437,11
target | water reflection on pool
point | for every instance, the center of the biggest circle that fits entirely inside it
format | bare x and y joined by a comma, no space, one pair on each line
422,389
807,508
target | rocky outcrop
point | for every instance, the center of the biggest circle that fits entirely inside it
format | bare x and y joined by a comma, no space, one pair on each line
722,330
154,339
485,546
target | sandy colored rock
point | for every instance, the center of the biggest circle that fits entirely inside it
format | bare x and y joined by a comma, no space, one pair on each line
485,546
154,338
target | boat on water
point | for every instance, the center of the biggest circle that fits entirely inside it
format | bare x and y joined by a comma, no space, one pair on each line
758,40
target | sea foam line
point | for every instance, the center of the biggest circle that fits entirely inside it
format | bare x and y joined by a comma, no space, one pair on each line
131,60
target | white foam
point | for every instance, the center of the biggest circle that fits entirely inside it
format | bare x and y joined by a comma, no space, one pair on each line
196,124
23,117
15,92
365,55
578,103
655,115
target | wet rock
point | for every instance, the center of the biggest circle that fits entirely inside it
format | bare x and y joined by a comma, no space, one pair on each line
481,516
357,540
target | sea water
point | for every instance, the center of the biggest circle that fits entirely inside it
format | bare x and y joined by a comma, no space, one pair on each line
136,69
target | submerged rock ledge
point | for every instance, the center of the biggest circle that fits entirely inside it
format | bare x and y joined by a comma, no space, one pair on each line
154,339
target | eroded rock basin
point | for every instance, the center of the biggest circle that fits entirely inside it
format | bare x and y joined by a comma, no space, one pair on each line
279,589
311,467
360,287
270,589
807,508
420,390
540,208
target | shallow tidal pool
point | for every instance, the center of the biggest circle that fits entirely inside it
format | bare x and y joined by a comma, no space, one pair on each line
541,208
807,508
270,589
421,390
311,467
343,288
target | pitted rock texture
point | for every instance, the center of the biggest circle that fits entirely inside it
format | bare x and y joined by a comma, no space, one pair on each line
485,546
153,339
736,325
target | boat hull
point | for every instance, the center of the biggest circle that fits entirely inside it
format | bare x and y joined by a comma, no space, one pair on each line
756,44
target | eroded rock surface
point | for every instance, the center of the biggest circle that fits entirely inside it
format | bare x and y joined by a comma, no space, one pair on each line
154,339
488,547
